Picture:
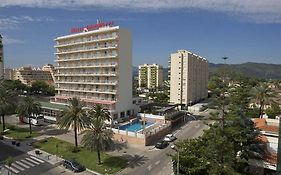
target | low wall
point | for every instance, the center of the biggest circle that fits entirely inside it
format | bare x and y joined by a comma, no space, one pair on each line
151,138
129,137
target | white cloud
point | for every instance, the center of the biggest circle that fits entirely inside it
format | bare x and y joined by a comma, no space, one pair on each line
8,40
256,10
13,22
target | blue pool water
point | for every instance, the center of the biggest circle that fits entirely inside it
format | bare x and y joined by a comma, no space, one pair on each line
136,126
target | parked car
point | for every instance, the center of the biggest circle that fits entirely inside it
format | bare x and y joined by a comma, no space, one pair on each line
73,165
161,144
169,138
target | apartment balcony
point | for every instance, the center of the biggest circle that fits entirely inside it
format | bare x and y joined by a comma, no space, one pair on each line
86,49
95,57
86,41
89,90
86,66
87,74
88,82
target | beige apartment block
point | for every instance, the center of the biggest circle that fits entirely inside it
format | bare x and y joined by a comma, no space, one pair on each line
96,66
1,59
150,76
188,77
27,75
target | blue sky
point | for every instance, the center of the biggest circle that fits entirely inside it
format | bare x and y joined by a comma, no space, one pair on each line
245,31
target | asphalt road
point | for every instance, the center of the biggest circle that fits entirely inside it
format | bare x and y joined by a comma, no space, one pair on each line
157,162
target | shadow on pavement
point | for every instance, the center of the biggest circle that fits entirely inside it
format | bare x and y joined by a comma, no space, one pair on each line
135,160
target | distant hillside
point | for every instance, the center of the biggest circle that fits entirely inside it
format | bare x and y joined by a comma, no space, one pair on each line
258,70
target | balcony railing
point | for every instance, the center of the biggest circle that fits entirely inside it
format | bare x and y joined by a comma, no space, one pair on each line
86,49
90,90
86,82
73,66
86,41
93,57
86,74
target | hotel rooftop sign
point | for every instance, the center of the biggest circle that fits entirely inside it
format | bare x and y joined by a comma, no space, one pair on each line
90,27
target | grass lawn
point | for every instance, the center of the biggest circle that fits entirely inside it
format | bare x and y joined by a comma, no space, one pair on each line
110,164
18,133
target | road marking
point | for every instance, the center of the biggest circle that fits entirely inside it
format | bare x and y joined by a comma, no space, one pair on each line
26,162
17,166
33,161
39,160
12,169
22,164
149,167
156,163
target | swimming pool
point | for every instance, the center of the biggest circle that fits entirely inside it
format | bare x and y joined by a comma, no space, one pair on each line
135,126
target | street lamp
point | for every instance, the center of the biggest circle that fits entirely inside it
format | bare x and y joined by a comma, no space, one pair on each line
178,158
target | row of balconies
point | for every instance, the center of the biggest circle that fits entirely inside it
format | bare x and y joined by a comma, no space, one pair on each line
86,74
86,40
87,82
90,90
92,97
86,49
87,57
86,65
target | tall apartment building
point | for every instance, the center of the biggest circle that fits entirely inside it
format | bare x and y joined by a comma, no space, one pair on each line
96,66
8,74
27,75
150,76
1,59
188,77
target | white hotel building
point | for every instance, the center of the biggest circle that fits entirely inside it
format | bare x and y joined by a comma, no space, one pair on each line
96,66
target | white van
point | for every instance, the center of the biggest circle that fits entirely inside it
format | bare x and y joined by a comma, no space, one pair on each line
35,120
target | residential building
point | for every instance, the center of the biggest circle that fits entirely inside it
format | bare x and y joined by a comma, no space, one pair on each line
269,129
50,68
8,74
150,76
188,77
1,59
27,75
95,65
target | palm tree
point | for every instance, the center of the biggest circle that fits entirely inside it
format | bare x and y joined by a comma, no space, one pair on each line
262,93
27,108
6,102
74,116
98,137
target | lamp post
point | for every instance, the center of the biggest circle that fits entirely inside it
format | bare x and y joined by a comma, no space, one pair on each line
178,158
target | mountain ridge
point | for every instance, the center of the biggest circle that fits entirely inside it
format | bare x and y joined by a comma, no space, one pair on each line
249,69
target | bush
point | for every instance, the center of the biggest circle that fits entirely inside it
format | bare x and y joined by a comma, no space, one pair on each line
12,127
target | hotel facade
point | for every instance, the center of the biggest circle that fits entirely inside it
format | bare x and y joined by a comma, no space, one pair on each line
96,66
188,77
150,76
1,59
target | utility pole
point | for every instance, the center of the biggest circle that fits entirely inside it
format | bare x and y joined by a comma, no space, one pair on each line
223,92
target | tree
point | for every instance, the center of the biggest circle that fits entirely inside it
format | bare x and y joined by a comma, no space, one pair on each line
97,136
27,108
273,111
6,103
262,93
74,116
9,161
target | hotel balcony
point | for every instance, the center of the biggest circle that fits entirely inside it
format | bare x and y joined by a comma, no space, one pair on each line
80,74
93,57
89,90
86,41
100,82
89,65
86,49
